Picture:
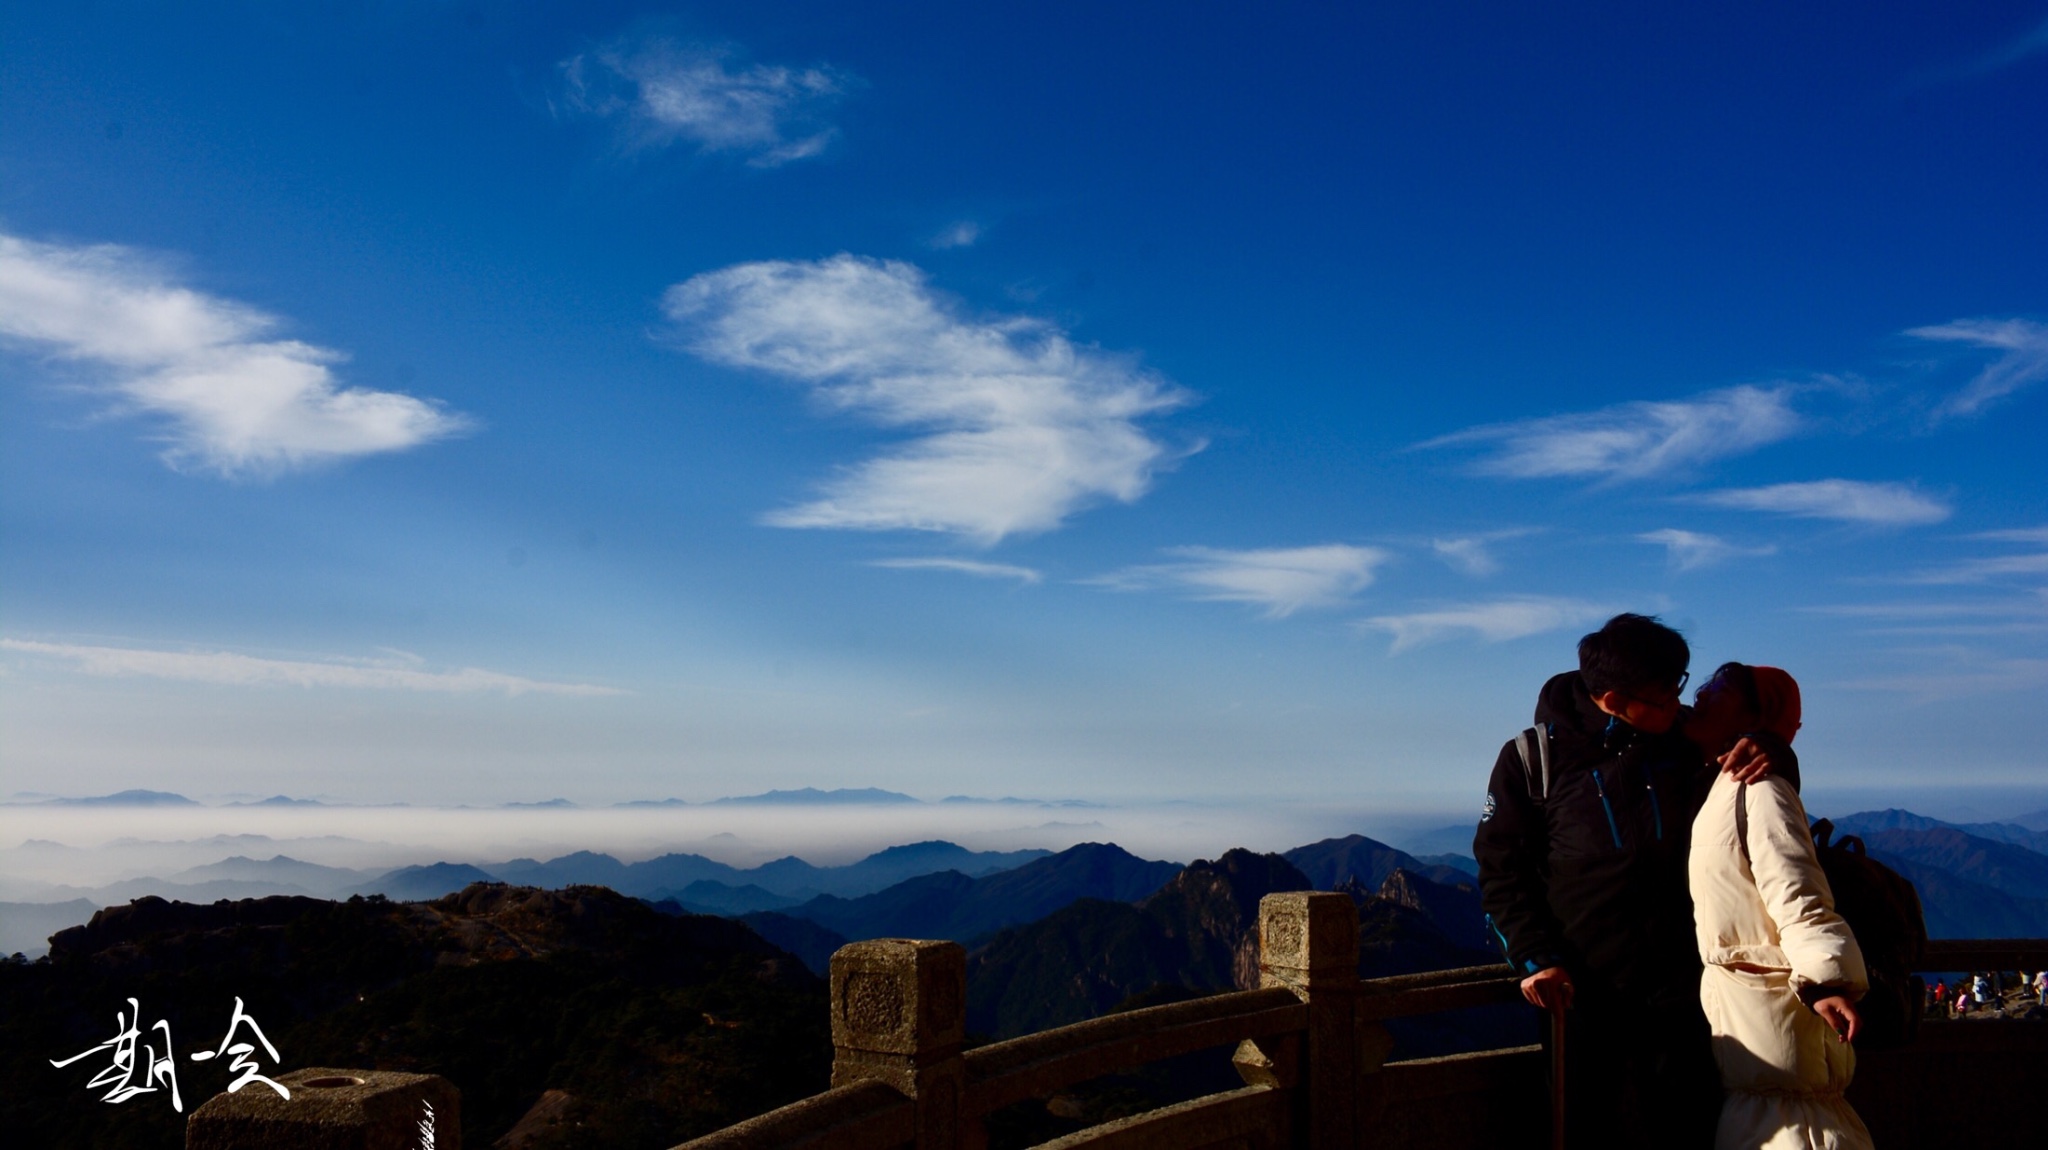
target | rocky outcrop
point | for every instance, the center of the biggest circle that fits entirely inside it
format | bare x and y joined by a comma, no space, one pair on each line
660,1026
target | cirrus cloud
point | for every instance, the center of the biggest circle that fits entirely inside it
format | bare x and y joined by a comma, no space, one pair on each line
1018,427
1846,500
669,92
1639,440
1473,554
1494,621
235,401
2023,364
227,668
1282,580
973,567
1692,550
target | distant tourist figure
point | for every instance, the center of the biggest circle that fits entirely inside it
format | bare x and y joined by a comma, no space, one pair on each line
1980,991
1582,855
2041,988
1938,996
1783,971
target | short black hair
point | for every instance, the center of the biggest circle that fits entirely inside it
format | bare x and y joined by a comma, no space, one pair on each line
1632,652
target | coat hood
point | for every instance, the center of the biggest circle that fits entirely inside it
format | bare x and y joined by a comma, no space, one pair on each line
1568,705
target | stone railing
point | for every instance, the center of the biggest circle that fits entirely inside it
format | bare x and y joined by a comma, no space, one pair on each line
1311,1048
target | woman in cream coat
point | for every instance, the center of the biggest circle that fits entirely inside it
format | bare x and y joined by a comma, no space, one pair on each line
1782,969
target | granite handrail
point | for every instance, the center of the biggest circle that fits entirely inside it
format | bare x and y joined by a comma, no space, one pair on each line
1038,1064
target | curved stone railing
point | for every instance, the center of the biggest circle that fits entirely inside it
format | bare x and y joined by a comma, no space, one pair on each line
1310,1047
1309,1042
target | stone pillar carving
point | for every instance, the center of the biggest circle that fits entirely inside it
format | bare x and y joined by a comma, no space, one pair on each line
899,1015
1308,943
332,1110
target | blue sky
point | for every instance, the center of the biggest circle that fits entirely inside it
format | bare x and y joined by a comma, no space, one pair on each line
492,402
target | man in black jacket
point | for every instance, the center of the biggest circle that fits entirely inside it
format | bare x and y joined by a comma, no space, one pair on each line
1582,873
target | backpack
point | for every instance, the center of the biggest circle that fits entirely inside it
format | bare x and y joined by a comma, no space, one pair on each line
1533,745
1883,912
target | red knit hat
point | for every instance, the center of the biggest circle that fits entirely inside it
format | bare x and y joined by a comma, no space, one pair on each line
1777,698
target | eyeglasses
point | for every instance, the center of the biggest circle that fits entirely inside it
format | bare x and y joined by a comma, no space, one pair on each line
1677,691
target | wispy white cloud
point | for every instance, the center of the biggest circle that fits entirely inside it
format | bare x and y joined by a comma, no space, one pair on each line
226,668
1993,567
1985,570
1634,440
1495,621
2016,535
1473,554
1692,550
1282,580
1955,672
2023,364
2026,45
960,234
1847,500
236,402
2002,617
668,93
963,566
1020,427
1922,611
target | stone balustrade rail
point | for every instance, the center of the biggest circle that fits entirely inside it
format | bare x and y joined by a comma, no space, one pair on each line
1310,1045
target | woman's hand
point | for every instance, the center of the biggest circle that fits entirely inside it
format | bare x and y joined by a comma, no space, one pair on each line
1840,1015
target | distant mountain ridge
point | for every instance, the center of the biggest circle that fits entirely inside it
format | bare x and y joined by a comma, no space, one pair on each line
693,880
1199,934
1977,879
1330,862
128,798
950,904
805,795
697,884
1970,886
2013,833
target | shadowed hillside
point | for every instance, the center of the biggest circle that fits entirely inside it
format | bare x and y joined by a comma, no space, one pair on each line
1086,958
649,1029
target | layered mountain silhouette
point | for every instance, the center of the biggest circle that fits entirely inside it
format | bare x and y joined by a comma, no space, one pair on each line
1976,879
801,937
953,905
1199,934
1970,886
2029,831
781,881
1331,862
633,1021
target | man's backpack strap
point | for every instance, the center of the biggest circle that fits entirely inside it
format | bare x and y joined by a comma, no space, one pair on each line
1533,745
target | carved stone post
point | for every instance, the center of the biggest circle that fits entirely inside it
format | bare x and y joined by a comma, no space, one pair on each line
332,1110
1308,943
899,1015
